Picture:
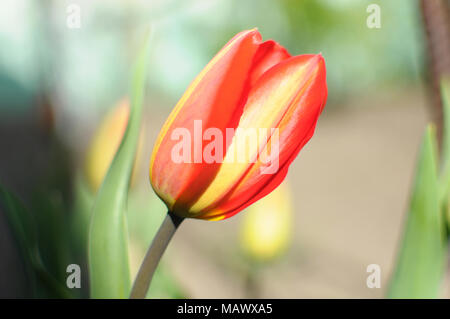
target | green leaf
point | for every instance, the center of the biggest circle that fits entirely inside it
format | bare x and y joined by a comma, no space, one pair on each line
80,217
108,238
445,95
24,230
53,233
23,226
420,264
445,178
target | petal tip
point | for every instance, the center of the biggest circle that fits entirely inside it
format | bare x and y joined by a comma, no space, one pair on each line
255,32
317,60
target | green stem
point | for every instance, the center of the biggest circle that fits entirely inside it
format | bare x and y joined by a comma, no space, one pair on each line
153,256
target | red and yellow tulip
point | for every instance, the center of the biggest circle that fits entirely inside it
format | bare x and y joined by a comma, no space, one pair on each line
248,84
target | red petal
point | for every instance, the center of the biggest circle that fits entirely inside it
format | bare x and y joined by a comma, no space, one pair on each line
295,129
269,53
216,97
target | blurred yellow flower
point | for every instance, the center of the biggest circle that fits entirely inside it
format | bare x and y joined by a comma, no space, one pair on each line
105,143
266,229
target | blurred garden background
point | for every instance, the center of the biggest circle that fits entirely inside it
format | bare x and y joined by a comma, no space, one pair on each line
347,193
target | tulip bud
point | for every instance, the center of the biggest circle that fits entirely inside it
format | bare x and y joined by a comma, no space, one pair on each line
105,144
237,128
267,225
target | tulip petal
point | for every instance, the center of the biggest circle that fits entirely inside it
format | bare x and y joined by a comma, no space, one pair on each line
216,97
269,54
290,97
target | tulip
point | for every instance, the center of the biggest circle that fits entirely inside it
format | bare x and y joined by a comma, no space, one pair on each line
105,144
248,84
267,225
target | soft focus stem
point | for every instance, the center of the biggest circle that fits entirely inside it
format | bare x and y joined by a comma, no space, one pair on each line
153,256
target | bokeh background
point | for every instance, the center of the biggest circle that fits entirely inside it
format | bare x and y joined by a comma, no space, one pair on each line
348,188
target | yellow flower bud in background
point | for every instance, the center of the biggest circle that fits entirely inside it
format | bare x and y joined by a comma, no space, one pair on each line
105,144
266,229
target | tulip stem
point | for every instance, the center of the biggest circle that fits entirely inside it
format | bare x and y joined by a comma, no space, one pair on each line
153,256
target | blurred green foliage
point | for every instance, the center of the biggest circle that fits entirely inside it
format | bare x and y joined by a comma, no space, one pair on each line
423,252
41,252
